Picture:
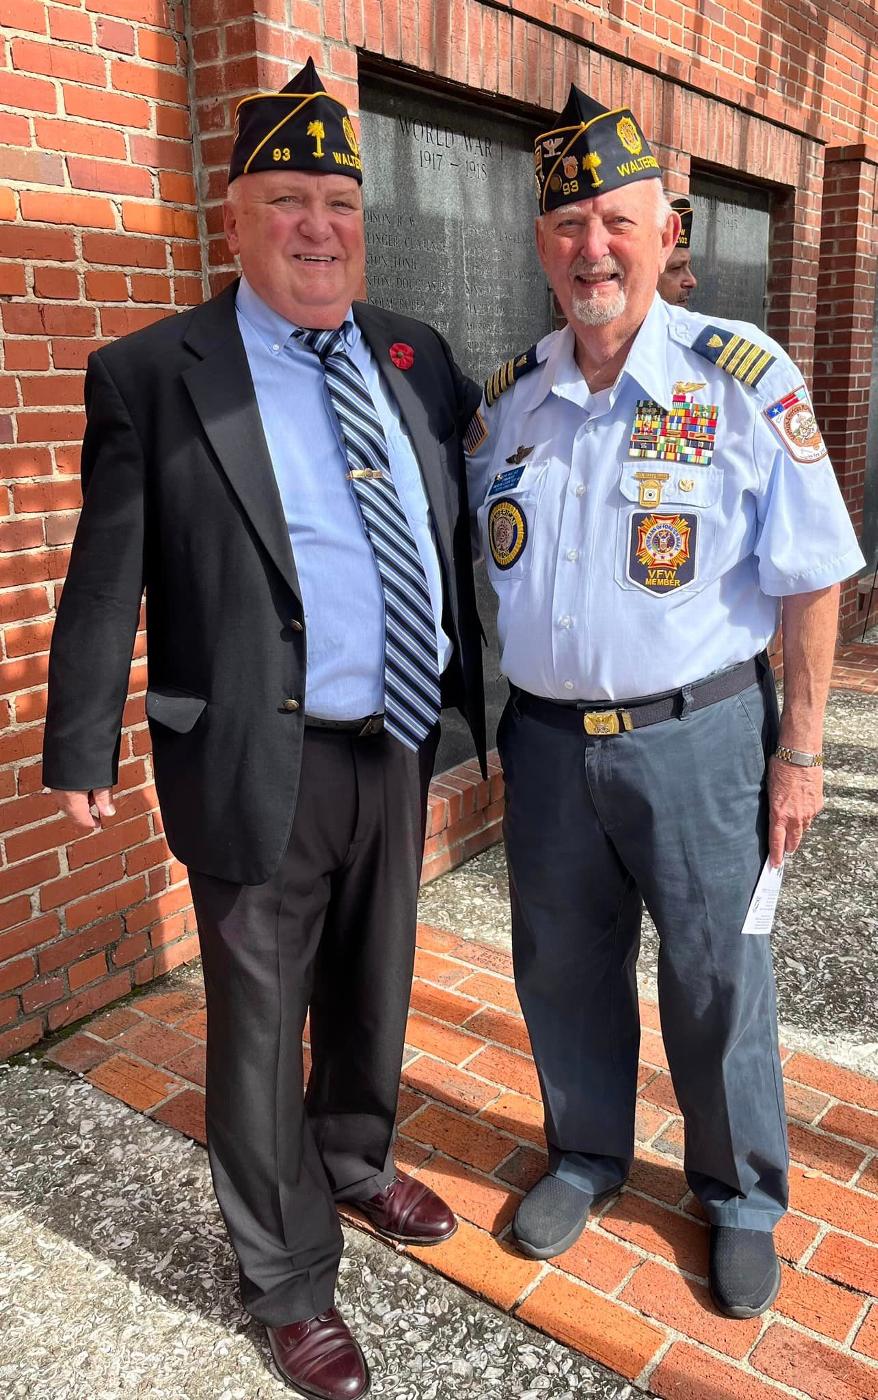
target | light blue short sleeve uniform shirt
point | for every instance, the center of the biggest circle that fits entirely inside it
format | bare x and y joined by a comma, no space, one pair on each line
641,538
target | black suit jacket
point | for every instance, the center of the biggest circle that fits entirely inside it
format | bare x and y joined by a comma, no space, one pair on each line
179,497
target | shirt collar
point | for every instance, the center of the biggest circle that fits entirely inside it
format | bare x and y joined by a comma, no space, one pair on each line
275,329
557,369
647,364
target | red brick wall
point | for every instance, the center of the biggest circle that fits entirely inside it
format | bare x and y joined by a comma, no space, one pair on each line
100,232
98,235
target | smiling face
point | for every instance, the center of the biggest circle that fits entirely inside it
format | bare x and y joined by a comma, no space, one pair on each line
678,280
300,241
603,255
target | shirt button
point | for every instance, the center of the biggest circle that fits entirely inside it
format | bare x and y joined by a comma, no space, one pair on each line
579,490
275,349
590,426
568,685
573,555
565,621
290,704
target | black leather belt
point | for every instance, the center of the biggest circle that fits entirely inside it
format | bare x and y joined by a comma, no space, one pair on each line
360,728
625,715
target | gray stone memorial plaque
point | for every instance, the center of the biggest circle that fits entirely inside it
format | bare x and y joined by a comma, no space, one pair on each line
730,235
450,206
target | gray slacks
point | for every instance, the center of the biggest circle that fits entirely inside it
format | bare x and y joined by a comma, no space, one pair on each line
673,815
333,932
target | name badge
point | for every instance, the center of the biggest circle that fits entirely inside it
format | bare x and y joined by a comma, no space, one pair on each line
506,481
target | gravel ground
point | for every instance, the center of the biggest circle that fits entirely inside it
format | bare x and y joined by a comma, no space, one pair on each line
117,1283
826,932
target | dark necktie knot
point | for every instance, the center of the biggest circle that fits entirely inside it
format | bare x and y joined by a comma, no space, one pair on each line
323,343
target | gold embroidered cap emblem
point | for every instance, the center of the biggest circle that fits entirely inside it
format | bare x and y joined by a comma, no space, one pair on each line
350,135
629,136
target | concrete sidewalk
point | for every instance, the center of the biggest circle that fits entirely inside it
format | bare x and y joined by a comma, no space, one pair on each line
117,1281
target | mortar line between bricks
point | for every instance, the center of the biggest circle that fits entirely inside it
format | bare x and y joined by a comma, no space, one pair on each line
544,1272
841,1348
643,1378
805,1261
851,1336
871,1160
466,1118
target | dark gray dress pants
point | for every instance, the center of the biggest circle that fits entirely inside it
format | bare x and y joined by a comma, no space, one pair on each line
332,931
674,815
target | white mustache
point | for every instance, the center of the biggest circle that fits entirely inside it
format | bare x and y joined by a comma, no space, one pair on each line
605,268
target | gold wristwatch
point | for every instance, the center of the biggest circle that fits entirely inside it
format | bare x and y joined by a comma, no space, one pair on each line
798,757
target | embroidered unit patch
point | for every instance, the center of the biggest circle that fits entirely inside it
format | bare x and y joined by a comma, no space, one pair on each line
507,532
684,433
662,551
792,418
741,358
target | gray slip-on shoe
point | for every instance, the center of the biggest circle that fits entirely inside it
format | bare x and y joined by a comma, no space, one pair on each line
744,1274
553,1215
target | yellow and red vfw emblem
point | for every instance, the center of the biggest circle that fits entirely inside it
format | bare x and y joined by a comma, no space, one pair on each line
507,532
662,551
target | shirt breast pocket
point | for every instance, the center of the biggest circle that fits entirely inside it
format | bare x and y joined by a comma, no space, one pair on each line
668,526
507,522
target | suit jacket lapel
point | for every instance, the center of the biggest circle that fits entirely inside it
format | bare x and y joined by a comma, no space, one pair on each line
221,388
377,329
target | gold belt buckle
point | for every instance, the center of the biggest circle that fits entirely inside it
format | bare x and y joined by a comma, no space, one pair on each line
606,721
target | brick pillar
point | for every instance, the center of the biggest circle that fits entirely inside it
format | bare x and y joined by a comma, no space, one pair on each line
793,266
843,340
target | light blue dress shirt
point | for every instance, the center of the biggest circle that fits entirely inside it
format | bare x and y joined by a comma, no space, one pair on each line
341,590
580,617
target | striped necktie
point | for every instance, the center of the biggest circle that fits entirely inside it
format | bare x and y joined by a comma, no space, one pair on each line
411,667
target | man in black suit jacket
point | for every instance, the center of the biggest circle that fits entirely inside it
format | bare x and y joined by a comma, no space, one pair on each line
300,816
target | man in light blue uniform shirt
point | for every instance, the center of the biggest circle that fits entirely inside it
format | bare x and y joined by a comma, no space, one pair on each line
652,495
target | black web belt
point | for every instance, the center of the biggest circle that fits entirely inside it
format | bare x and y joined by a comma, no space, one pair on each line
625,715
359,728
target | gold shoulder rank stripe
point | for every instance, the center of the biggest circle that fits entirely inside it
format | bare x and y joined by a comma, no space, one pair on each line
743,359
504,377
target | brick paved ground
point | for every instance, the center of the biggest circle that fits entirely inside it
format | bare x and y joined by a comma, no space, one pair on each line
631,1293
856,667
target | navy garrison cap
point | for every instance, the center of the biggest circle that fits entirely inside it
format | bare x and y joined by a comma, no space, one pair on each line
590,151
684,209
299,128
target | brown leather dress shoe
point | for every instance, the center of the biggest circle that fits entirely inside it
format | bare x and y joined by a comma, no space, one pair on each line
319,1358
407,1211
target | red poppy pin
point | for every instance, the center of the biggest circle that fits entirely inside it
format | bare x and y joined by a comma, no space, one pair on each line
402,355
